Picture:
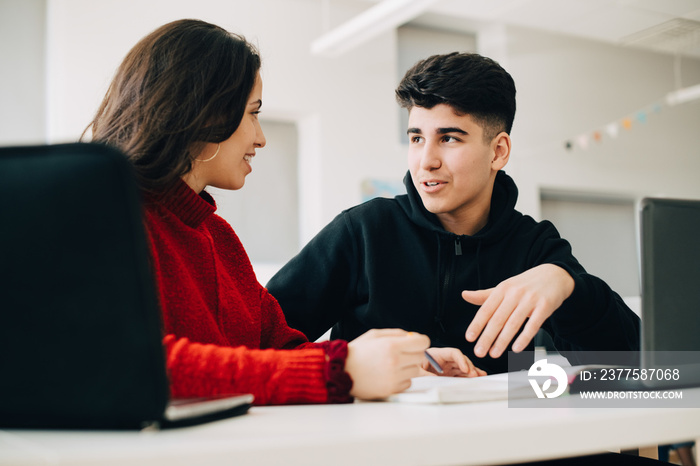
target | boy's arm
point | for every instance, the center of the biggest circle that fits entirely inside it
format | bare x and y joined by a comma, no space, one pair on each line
580,309
316,287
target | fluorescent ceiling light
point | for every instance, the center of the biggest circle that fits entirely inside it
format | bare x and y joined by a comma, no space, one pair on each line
683,95
385,15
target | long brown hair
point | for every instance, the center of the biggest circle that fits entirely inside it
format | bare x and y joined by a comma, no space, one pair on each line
184,84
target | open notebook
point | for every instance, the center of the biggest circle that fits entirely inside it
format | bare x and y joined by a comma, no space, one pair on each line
495,387
80,331
459,389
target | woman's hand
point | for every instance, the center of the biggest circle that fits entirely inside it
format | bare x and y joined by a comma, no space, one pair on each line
382,362
452,362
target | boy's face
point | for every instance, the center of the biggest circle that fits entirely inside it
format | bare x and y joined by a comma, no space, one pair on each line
452,167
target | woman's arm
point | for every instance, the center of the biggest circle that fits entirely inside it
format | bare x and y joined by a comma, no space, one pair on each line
272,376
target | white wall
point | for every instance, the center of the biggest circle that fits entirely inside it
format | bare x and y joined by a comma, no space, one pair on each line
346,111
267,226
345,106
22,72
568,86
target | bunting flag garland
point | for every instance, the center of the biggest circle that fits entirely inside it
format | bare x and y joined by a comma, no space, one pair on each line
582,141
612,129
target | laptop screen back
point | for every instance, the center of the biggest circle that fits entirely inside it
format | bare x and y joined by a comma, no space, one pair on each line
80,337
670,257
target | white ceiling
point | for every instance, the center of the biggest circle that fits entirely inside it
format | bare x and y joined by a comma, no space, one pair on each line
664,25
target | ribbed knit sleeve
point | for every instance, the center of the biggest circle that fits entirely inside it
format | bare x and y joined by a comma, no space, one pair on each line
272,376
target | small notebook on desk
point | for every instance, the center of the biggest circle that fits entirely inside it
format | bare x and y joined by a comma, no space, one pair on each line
431,389
496,387
80,331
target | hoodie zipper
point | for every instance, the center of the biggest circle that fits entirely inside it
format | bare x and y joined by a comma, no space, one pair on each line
447,279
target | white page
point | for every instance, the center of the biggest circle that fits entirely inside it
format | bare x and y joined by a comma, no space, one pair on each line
464,390
432,389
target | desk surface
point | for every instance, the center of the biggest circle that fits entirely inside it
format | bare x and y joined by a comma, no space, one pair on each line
367,433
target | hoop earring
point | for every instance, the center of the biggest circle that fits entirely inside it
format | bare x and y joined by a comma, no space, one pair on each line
218,146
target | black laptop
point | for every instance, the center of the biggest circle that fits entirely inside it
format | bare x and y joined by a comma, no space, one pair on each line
670,281
80,330
670,273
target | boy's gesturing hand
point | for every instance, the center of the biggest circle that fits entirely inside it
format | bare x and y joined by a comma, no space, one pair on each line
533,295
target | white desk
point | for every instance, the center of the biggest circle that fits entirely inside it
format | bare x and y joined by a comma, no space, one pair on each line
367,434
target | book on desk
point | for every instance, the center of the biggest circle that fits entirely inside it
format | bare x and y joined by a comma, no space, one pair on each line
431,389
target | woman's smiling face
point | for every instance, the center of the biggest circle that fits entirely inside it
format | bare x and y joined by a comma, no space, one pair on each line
230,166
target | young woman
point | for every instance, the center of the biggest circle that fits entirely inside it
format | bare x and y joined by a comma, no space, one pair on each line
184,108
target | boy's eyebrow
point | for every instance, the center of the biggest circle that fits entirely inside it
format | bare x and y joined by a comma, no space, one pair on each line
451,130
439,130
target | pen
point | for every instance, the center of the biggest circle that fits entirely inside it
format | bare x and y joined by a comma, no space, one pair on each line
431,360
433,363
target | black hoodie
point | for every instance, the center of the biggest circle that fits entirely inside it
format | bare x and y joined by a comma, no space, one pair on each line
389,263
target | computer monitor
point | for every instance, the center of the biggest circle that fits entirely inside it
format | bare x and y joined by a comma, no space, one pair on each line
670,259
670,273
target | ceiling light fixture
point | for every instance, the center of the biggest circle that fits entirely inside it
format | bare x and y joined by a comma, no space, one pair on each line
385,15
684,95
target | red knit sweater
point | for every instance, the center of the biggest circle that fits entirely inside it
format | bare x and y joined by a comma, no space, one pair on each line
223,330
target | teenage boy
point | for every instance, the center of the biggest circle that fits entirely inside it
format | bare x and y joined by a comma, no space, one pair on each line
452,258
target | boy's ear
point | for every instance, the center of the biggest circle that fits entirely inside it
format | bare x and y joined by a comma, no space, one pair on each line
501,151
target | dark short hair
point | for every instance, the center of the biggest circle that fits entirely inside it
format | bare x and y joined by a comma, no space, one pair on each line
469,83
184,84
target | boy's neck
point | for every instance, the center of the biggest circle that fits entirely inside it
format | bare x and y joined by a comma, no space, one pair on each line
468,223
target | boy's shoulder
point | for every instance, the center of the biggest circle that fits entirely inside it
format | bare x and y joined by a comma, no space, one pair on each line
376,212
374,207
